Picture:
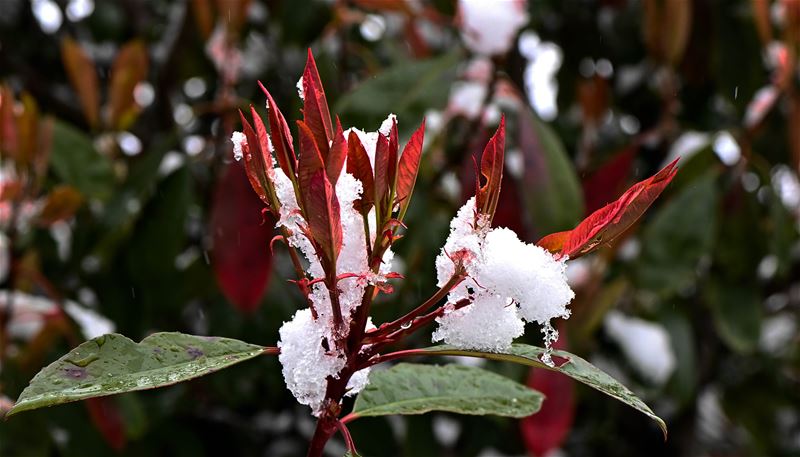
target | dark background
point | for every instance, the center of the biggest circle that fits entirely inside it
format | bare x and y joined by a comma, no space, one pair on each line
165,234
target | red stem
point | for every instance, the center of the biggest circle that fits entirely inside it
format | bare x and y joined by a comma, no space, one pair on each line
271,351
351,445
386,329
415,325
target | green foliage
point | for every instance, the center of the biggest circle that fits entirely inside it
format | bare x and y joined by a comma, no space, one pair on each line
113,364
574,367
679,237
76,162
409,388
410,88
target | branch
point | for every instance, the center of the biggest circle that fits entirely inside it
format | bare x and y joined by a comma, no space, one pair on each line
416,324
351,446
385,329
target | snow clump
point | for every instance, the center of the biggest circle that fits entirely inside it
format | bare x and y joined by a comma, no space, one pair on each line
508,283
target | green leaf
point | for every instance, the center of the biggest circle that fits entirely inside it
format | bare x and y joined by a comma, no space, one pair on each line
553,195
409,388
113,364
350,454
574,367
77,163
407,88
679,236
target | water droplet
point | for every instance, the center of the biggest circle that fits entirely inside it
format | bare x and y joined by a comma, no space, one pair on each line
84,361
405,325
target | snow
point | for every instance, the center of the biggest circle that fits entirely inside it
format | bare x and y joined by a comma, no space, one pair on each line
92,324
466,98
300,90
386,126
646,345
306,363
490,323
30,312
527,273
489,28
508,282
239,141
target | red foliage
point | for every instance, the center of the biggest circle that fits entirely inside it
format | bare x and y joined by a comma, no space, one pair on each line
408,167
318,198
547,429
315,106
492,171
241,258
358,165
607,181
610,221
337,155
281,136
107,420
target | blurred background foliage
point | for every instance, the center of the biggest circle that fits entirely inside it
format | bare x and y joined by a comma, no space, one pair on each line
122,209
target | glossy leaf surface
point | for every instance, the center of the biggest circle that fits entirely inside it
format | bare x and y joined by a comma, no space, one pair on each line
113,364
409,388
574,367
612,220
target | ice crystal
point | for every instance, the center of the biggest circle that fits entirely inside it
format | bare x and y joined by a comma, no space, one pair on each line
239,141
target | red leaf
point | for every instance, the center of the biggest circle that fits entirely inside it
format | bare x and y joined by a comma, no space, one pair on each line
265,155
492,171
608,181
252,161
241,258
382,159
281,136
359,166
608,222
391,171
319,203
108,421
310,158
408,167
547,429
316,114
82,74
337,155
8,129
323,215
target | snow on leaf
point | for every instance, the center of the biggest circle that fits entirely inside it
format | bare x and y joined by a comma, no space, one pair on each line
359,166
319,202
253,163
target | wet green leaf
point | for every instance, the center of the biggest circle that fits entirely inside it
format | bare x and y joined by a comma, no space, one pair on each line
113,364
574,367
409,388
